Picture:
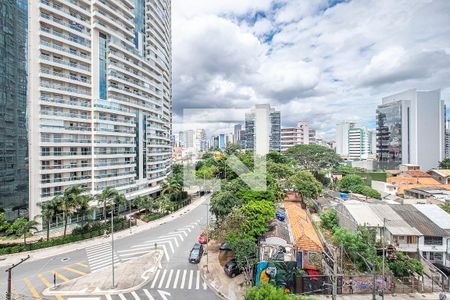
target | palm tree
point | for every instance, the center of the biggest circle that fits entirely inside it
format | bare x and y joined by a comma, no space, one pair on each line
84,208
69,203
50,209
22,226
171,186
110,197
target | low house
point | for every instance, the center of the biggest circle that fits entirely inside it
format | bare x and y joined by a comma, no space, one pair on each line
306,241
443,176
374,217
276,244
440,193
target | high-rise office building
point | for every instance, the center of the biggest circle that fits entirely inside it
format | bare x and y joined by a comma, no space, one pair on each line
263,129
302,134
186,139
13,108
201,140
342,137
99,96
237,133
411,129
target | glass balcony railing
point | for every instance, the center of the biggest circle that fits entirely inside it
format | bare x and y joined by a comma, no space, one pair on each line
57,47
63,62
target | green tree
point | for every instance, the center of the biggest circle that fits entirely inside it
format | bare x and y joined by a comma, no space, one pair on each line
49,210
328,219
279,170
4,225
232,148
207,172
84,208
22,227
366,191
171,186
446,207
304,182
144,202
402,265
270,292
222,203
313,157
245,253
445,164
278,158
349,181
257,216
69,203
106,198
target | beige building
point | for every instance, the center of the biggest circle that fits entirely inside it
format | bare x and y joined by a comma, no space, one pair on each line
300,135
99,96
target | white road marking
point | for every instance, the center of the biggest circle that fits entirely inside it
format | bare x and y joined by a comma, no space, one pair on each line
155,279
191,273
108,297
183,279
135,295
169,279
122,297
204,285
162,279
84,298
150,297
175,282
197,284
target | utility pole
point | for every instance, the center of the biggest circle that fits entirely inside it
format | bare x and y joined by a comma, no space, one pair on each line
207,238
112,244
9,270
384,255
334,295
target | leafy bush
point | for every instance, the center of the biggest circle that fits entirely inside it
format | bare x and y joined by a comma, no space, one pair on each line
366,191
328,219
270,292
402,265
151,217
347,183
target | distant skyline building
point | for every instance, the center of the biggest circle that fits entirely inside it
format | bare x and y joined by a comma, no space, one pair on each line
201,140
342,137
263,129
302,134
411,129
360,144
13,108
100,97
186,139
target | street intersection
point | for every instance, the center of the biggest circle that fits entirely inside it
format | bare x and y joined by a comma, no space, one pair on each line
175,279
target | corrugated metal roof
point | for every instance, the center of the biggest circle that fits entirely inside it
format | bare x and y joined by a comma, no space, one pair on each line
441,172
416,219
436,214
363,215
394,222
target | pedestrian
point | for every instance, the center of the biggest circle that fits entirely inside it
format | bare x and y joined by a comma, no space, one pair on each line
442,295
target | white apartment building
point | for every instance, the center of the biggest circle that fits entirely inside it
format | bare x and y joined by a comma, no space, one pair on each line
99,96
302,134
361,143
201,140
342,137
411,129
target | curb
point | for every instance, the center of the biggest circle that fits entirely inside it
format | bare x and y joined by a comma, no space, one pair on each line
146,276
213,288
5,260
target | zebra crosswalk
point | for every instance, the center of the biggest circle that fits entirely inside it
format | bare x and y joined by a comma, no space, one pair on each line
99,256
178,279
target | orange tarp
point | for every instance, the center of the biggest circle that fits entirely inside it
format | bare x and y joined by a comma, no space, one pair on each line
305,236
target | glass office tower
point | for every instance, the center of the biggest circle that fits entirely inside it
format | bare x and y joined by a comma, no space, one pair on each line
13,108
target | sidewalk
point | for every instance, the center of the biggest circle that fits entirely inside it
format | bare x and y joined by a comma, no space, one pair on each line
216,279
427,296
129,277
7,260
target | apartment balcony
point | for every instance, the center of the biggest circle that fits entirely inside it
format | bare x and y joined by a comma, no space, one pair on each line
66,115
67,77
60,102
67,52
118,186
65,38
147,68
114,11
66,65
115,121
134,103
137,85
107,106
114,155
56,8
66,90
73,27
58,142
118,143
64,169
114,132
140,78
114,165
71,180
64,129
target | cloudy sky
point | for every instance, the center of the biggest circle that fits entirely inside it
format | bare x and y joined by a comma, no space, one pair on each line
320,61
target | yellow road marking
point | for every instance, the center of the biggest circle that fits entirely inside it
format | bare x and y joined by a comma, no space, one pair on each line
32,289
82,265
47,283
60,276
74,270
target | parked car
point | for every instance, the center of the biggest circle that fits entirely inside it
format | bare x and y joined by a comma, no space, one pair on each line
196,253
231,268
203,238
225,247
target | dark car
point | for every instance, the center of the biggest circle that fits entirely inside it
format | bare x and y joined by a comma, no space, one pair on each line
231,268
196,254
225,247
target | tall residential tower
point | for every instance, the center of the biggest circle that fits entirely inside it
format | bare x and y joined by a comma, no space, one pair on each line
99,96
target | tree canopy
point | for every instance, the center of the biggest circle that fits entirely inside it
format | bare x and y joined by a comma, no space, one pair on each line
304,182
445,164
313,157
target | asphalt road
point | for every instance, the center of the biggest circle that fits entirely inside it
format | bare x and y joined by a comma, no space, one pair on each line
177,278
